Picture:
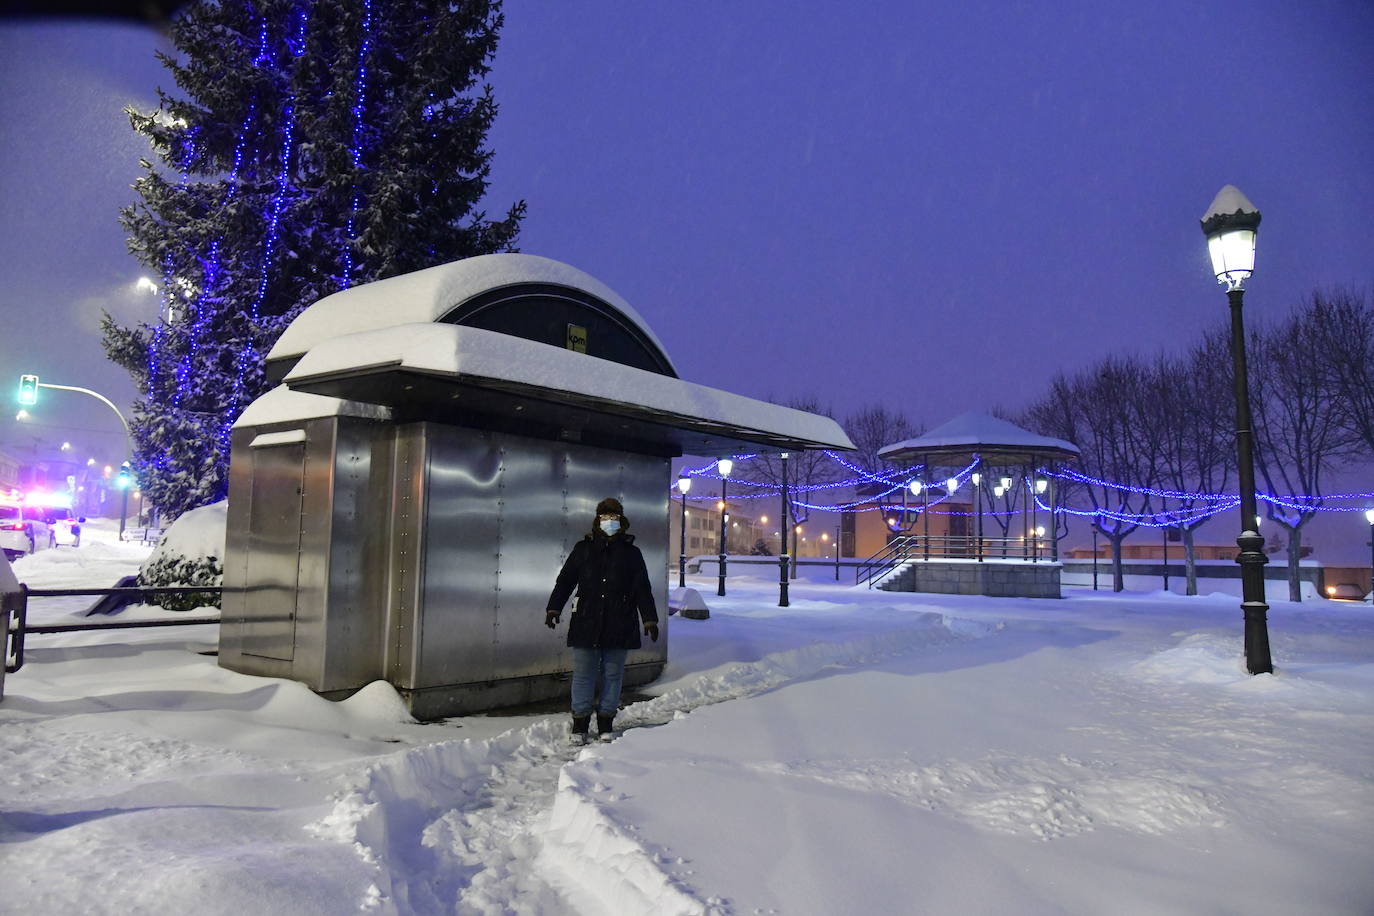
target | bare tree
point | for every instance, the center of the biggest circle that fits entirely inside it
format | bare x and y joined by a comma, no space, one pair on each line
1197,453
1344,324
805,469
1104,411
872,427
1298,430
1056,415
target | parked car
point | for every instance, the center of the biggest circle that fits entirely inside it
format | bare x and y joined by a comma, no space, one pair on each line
65,525
24,529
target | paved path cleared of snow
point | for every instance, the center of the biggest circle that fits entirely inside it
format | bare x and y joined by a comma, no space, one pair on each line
857,752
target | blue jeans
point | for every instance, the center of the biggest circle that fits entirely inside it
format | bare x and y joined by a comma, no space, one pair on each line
591,666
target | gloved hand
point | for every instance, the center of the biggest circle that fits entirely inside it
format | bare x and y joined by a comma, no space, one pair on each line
651,631
551,618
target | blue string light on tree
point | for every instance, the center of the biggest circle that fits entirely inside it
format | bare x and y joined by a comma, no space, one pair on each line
248,354
356,147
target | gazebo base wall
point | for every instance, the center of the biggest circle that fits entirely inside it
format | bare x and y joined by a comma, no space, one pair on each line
962,577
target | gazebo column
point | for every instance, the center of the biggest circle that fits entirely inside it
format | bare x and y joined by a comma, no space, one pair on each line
1054,515
1026,529
925,512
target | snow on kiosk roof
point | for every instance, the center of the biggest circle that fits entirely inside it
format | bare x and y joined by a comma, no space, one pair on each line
987,436
524,294
507,362
442,370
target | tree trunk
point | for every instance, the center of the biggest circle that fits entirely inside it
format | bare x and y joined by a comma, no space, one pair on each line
1294,559
1118,577
1189,561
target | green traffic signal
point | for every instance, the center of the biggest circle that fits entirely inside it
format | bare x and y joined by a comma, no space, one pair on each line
125,477
28,390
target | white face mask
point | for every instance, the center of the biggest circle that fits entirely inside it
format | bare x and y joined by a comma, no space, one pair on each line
610,526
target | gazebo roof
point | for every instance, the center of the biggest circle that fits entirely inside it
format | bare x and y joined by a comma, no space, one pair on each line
973,433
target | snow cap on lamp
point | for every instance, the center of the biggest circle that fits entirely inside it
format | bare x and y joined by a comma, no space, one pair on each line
1230,225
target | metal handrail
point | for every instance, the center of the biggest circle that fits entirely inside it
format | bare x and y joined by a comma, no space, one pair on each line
13,642
966,546
897,551
945,547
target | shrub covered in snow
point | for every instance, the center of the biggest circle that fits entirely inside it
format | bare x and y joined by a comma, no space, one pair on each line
190,553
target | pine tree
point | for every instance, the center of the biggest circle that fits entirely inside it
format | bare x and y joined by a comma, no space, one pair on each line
319,144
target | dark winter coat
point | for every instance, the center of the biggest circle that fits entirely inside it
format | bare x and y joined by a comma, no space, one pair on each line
613,593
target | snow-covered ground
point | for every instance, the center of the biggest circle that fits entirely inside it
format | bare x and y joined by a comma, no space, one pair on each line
857,752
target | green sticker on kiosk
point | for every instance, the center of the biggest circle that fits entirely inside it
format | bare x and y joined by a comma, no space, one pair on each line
577,338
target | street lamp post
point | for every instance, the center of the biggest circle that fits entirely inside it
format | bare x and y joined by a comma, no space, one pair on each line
1094,554
1230,225
782,539
978,520
124,480
684,483
724,466
1369,515
837,552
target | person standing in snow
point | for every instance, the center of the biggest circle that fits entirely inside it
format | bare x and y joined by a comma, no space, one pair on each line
613,599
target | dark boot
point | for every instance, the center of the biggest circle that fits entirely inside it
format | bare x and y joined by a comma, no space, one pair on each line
603,726
580,725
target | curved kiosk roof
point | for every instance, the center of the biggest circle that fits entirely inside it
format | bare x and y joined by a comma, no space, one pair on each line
527,345
519,294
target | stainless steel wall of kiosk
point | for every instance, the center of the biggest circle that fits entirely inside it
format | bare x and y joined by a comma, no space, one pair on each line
422,554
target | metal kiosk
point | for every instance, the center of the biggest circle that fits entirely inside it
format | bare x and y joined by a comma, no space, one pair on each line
400,505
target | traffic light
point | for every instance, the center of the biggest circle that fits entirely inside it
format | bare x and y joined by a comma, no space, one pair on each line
28,390
126,476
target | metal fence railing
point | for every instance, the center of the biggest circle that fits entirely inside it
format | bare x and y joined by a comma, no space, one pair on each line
949,547
18,630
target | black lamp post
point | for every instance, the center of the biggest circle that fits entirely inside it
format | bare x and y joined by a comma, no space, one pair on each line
724,466
782,539
837,553
1230,225
1369,516
125,481
684,483
977,479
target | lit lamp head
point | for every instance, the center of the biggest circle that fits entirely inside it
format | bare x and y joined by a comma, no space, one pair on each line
725,466
1369,515
1041,484
952,485
976,478
684,483
998,491
1006,483
916,487
1230,225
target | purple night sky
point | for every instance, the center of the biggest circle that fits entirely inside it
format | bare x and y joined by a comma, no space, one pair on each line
934,207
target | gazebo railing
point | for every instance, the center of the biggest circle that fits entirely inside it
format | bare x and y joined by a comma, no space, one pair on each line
949,547
970,547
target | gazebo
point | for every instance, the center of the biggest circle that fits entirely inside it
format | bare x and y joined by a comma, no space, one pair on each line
1003,549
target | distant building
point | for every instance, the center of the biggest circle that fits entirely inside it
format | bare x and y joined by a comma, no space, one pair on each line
9,472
